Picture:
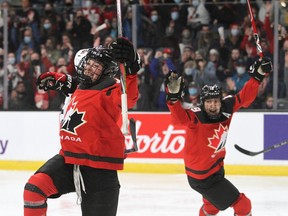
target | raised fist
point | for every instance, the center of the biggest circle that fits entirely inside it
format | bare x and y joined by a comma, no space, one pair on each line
56,81
261,68
123,51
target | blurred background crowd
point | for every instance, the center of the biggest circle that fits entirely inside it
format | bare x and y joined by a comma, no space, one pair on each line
208,42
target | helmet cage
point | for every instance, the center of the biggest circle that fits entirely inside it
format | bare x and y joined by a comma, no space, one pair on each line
102,55
209,92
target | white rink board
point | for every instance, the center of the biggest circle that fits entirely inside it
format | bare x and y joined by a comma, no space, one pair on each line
33,136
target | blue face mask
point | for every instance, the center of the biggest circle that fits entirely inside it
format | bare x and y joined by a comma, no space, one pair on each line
177,1
240,70
193,91
11,60
195,3
154,18
174,15
234,32
27,39
47,25
188,71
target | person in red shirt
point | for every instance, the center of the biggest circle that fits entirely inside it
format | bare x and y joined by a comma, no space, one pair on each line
206,134
92,144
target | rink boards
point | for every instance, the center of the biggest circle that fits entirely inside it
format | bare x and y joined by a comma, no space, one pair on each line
27,139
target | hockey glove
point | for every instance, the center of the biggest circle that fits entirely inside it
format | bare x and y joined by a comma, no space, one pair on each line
124,52
174,86
260,69
57,81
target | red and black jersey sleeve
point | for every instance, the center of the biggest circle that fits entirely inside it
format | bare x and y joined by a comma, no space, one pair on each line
247,94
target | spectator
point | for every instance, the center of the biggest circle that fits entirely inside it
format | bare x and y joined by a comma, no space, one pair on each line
48,30
174,27
191,97
144,102
92,13
66,47
153,29
35,68
50,13
13,75
197,16
127,24
222,14
27,42
187,54
234,37
49,49
41,99
21,99
268,105
81,31
219,65
113,30
189,71
236,82
25,18
63,66
205,39
205,71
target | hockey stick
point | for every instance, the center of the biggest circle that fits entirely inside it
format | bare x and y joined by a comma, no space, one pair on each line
256,36
133,135
250,153
124,92
122,76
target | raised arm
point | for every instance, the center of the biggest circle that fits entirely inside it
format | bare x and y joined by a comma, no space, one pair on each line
257,71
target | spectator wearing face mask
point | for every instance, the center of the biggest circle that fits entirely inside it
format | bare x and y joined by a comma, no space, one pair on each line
153,29
237,81
92,13
36,67
48,30
197,16
174,27
13,71
189,71
191,96
27,42
234,38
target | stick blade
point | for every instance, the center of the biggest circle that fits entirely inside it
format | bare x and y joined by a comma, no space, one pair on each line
244,151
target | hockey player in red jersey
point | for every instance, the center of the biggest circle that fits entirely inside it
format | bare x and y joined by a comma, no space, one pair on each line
92,144
206,133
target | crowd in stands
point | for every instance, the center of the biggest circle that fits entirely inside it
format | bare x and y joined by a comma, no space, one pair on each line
208,42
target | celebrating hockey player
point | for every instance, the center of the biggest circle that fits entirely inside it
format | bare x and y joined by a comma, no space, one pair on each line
206,133
92,144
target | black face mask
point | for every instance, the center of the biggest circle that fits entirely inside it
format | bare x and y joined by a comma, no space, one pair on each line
35,62
68,4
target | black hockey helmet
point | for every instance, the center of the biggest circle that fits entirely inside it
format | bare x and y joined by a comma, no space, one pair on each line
210,91
102,55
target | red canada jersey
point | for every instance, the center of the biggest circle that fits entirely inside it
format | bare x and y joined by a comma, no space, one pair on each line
204,150
89,132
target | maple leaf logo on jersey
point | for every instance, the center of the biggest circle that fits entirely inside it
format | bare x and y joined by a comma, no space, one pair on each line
72,118
218,140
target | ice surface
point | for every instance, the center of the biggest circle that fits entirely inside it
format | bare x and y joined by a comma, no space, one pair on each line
153,195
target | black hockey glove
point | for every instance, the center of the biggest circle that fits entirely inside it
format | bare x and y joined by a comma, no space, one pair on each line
124,52
260,69
57,81
174,86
